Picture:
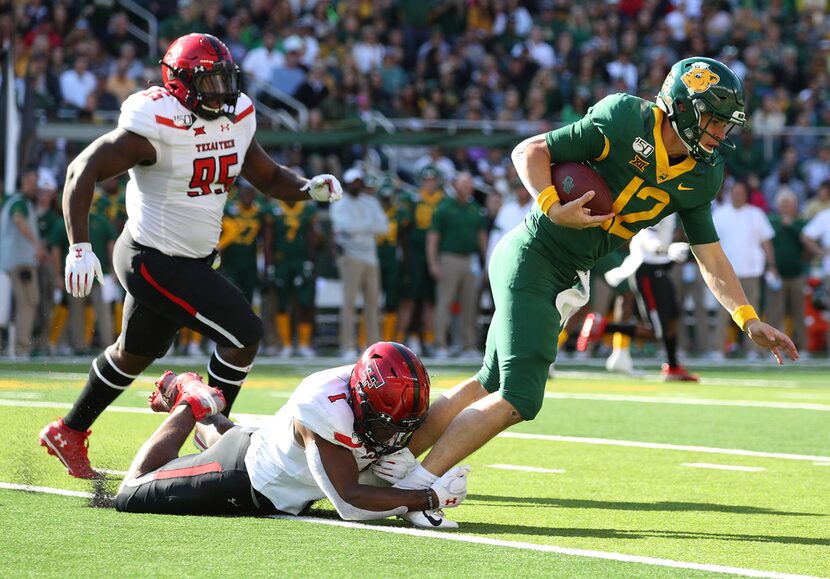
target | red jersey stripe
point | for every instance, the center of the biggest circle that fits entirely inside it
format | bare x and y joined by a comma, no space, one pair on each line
169,123
189,471
175,299
244,114
347,440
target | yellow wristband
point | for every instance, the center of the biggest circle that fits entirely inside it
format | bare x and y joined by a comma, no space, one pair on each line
547,197
743,315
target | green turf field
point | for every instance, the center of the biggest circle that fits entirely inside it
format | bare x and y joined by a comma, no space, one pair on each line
617,477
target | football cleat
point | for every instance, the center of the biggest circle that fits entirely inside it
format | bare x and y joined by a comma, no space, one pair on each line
593,328
172,390
678,374
620,361
70,446
429,520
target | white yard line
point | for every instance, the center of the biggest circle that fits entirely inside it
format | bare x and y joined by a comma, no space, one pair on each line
461,538
527,468
723,466
664,446
689,401
256,418
111,471
656,377
47,490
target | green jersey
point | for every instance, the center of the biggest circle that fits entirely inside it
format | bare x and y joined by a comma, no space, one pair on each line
398,219
101,233
113,207
293,226
458,226
422,210
241,228
620,138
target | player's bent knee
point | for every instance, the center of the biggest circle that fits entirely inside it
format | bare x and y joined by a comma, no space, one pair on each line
527,406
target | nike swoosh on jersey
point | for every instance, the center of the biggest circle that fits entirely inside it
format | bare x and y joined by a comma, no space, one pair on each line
682,187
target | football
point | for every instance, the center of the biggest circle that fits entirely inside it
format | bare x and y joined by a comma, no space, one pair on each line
572,180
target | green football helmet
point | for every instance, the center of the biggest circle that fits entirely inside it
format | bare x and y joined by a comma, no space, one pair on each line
696,86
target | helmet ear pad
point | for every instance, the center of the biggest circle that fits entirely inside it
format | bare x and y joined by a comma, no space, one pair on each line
199,71
389,396
696,87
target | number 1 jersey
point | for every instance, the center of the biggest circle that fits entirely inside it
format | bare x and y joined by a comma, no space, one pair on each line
176,204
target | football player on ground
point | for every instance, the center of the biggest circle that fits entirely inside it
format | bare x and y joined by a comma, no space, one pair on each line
657,159
341,429
183,144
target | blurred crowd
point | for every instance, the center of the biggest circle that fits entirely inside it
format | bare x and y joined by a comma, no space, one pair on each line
506,60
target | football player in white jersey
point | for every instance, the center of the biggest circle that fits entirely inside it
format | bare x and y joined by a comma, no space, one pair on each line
183,145
342,433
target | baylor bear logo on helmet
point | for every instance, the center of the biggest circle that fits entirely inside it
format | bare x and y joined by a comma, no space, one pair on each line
699,78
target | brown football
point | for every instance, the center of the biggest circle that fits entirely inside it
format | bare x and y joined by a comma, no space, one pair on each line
573,180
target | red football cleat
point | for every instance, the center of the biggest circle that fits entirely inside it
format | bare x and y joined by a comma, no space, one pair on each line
172,390
678,374
70,446
593,328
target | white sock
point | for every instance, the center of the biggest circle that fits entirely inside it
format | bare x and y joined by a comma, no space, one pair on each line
420,478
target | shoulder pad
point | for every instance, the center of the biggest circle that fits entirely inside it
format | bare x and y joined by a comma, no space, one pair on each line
620,113
148,113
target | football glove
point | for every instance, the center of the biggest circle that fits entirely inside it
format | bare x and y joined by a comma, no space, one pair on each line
678,251
396,466
82,267
452,487
324,187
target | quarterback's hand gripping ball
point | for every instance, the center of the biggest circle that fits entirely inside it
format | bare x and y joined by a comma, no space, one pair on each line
396,466
82,267
452,487
324,187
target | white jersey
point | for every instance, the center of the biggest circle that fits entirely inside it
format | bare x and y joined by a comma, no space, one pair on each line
277,463
176,204
650,245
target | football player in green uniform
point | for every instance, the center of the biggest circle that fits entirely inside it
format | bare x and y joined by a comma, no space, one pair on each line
296,235
657,159
389,257
418,285
241,228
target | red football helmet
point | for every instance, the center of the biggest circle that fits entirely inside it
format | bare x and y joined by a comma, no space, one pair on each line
198,69
389,395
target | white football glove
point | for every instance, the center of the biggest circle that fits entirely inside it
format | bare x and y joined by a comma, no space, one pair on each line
396,466
82,267
324,188
678,251
452,487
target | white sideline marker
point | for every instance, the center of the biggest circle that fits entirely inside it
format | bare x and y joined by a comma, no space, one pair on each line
723,466
822,463
449,536
527,468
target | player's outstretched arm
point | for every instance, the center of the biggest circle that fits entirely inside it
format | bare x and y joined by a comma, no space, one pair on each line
718,274
280,182
108,156
335,471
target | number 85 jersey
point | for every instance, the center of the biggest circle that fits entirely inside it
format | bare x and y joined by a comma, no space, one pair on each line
175,205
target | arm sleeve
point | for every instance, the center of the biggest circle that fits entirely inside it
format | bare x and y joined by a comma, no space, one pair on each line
579,141
343,508
698,225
